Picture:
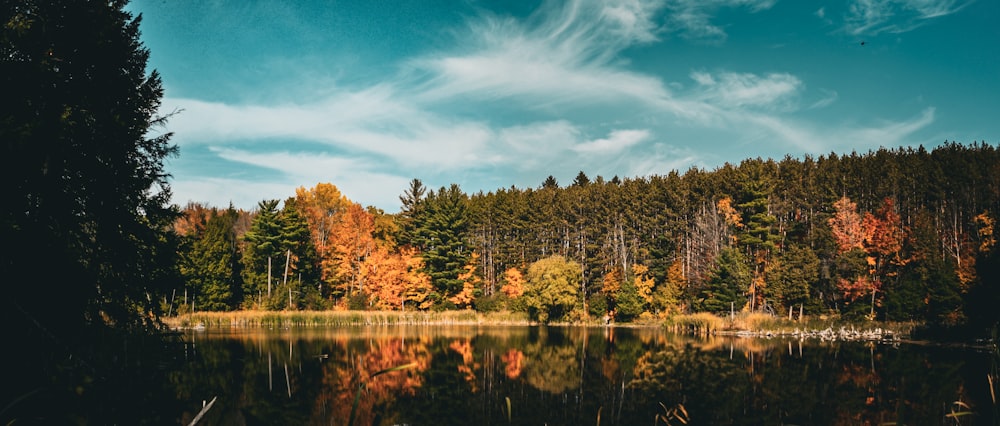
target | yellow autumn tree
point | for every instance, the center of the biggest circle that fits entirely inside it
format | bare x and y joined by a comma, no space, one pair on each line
669,296
643,282
732,217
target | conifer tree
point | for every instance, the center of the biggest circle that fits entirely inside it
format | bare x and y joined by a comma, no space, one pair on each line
214,266
85,196
441,233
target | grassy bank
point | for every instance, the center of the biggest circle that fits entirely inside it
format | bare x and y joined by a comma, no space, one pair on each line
744,323
281,319
758,324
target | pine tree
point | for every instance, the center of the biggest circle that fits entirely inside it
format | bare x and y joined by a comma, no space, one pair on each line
85,196
85,219
729,279
796,270
214,274
411,200
441,233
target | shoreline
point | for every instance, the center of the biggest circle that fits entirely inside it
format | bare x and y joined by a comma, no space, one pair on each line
745,325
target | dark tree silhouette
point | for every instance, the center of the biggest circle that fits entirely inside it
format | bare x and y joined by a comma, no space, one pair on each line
84,221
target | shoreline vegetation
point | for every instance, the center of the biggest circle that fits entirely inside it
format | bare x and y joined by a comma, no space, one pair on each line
740,324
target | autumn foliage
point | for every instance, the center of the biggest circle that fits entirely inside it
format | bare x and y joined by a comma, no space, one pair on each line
823,235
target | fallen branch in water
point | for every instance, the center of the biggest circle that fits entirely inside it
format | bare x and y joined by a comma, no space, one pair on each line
204,409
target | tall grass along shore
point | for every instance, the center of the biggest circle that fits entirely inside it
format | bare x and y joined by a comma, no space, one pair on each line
703,323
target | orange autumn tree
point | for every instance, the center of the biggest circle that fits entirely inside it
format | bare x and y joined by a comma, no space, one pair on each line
847,227
850,234
885,241
513,286
324,207
385,274
877,237
352,242
193,219
643,282
395,278
418,284
470,281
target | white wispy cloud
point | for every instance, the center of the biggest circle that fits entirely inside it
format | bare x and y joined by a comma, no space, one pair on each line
737,90
890,133
434,117
617,141
391,128
693,18
356,178
871,17
564,53
829,97
535,145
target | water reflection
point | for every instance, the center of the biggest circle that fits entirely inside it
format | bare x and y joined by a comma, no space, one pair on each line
553,376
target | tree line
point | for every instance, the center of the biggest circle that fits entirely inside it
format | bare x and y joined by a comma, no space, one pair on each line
891,234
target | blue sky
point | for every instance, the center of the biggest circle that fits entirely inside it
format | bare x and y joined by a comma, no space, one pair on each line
369,94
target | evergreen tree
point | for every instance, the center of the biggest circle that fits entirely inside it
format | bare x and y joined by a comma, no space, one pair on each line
85,194
299,284
411,200
796,271
213,266
85,221
550,183
729,279
628,303
276,239
441,233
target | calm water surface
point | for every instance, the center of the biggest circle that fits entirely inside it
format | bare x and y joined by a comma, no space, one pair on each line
580,376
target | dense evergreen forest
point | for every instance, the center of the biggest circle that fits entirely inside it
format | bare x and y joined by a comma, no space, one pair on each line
892,234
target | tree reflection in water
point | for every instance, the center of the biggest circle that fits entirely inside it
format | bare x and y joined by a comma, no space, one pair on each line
557,376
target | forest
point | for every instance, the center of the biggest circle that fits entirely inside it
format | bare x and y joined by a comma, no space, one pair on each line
891,234
95,254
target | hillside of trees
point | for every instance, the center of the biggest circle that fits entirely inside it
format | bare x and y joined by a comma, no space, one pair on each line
889,234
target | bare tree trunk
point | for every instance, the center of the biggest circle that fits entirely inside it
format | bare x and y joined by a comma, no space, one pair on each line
288,258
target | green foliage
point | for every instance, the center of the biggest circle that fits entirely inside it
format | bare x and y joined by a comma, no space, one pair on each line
84,217
492,303
279,238
797,269
982,299
552,286
85,214
212,267
628,304
729,279
927,287
597,305
412,203
357,302
441,228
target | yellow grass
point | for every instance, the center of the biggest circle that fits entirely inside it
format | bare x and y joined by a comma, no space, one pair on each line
238,319
697,323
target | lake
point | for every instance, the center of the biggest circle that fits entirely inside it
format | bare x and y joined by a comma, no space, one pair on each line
581,376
